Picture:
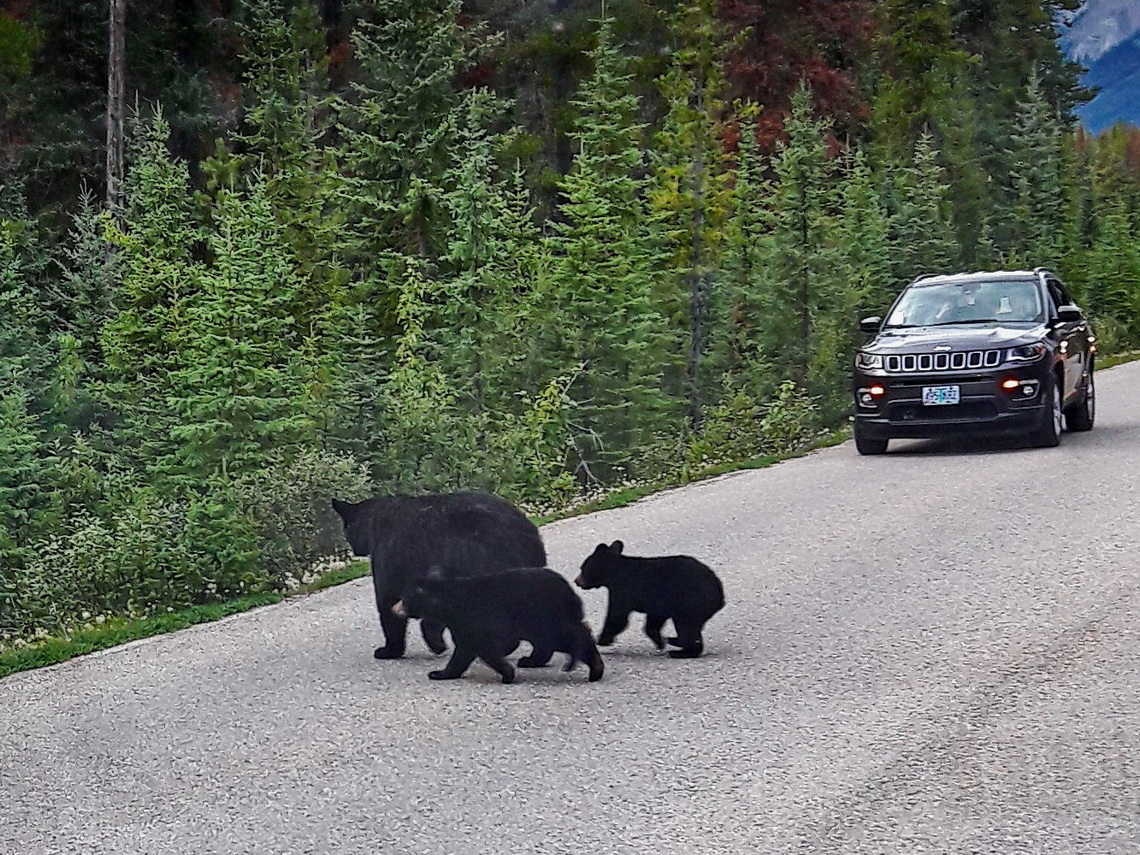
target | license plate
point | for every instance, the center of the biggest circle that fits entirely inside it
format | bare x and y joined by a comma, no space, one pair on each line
936,396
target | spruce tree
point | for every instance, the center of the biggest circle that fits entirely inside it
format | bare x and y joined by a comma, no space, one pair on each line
798,260
741,359
690,189
863,239
284,135
607,320
237,392
156,247
1112,278
1037,221
398,123
926,237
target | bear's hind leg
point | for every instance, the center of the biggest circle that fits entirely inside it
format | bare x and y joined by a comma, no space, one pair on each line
461,659
539,657
500,664
688,639
432,631
653,624
584,650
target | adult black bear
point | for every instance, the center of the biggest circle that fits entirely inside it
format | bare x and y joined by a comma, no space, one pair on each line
675,586
490,615
461,534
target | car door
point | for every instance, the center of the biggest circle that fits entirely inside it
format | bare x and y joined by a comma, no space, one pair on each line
1072,338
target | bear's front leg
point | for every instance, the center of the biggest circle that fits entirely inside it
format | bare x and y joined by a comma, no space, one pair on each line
617,619
395,628
461,659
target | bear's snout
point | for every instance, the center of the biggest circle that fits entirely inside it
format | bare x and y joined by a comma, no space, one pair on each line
399,609
580,582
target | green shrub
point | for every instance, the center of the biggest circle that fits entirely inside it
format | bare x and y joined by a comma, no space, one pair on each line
288,505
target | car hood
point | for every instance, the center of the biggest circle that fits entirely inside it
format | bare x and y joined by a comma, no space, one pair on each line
956,337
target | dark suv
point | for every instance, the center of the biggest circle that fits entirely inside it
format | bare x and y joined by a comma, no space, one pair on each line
972,353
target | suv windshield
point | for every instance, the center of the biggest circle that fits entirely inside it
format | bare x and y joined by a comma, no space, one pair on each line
941,303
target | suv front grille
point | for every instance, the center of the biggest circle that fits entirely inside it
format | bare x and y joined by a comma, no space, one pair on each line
915,363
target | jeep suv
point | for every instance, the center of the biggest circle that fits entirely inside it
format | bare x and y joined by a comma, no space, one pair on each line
1004,352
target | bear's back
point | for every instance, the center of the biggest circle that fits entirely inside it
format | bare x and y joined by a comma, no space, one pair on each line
462,534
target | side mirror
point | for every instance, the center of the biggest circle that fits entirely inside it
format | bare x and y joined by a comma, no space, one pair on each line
1069,314
870,325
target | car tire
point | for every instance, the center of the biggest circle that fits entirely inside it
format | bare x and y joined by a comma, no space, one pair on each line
869,445
1082,415
1048,432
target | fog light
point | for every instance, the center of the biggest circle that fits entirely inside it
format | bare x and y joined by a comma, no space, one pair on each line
877,391
1010,384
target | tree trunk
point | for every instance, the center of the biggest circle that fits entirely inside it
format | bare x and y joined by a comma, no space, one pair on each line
116,98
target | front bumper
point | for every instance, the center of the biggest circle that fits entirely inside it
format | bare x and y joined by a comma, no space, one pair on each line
896,409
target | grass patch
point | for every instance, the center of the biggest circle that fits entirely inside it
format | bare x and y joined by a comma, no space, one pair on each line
116,631
629,495
1115,359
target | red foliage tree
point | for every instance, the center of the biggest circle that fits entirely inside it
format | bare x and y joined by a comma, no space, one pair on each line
821,42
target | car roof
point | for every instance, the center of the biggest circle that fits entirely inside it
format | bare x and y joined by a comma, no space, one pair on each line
987,276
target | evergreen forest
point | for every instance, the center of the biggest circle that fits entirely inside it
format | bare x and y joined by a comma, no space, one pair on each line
538,247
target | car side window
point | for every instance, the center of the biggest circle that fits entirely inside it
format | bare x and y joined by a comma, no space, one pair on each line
1057,296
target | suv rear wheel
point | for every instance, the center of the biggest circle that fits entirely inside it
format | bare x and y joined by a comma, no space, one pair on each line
868,445
1048,433
1081,415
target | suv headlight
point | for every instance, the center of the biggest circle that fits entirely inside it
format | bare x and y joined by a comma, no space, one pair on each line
868,360
1027,352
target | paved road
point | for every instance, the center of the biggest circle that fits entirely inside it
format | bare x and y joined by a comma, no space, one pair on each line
930,652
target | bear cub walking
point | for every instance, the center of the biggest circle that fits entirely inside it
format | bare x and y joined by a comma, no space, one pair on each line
675,586
490,615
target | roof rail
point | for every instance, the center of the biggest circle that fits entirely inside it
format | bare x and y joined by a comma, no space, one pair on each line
922,276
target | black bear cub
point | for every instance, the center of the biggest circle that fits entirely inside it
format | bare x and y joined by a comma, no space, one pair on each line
675,586
489,615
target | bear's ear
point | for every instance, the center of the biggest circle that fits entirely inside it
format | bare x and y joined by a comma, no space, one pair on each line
343,509
616,547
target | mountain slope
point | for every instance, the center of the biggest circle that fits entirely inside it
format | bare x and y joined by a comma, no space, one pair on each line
1104,35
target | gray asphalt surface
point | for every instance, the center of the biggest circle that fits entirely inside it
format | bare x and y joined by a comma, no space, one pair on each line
933,651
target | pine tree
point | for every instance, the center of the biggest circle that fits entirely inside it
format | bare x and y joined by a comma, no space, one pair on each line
143,342
607,321
797,258
690,191
285,131
926,238
236,390
742,306
399,123
1037,223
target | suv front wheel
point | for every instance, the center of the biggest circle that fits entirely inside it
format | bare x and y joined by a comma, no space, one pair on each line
1048,433
868,445
1081,415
